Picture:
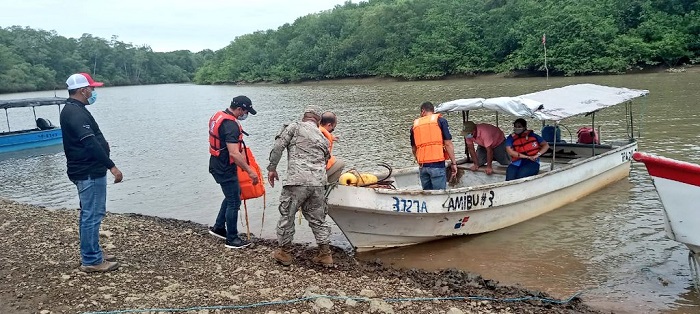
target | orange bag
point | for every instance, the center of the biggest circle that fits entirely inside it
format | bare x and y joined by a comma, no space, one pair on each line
248,190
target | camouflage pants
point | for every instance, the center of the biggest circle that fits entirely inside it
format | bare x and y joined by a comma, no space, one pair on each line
312,201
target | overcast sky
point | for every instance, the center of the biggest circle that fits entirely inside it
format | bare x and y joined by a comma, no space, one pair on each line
164,25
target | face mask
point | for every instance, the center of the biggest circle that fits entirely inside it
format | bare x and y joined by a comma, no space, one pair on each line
243,117
518,130
93,98
469,135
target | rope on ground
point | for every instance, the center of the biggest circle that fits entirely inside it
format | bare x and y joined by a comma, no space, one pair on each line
359,299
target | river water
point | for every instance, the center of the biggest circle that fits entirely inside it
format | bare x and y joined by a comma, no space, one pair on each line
610,245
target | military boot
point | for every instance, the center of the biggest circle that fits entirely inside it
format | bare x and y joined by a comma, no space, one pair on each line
324,257
282,256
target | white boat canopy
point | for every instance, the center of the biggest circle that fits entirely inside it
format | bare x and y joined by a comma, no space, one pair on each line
553,104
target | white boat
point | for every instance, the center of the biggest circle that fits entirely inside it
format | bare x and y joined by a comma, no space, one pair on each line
377,217
677,183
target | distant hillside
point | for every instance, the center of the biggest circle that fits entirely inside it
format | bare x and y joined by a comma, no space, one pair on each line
422,39
41,60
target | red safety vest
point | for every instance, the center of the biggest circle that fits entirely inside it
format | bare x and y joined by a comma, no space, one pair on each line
248,190
428,138
215,145
525,144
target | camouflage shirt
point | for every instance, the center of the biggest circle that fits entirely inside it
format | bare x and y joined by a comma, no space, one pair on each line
307,154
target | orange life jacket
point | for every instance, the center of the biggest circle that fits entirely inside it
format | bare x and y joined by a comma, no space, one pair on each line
330,138
248,190
525,144
428,138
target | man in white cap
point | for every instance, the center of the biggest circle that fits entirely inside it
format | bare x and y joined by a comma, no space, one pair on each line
87,156
308,152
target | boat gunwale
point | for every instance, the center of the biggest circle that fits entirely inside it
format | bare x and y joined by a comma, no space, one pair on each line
417,191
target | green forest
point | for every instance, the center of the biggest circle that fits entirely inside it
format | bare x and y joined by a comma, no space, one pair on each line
402,39
42,60
426,39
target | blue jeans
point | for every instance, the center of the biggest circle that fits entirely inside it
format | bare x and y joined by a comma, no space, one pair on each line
93,206
228,213
433,178
525,169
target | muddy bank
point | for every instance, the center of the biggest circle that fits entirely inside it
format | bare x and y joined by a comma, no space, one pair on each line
169,263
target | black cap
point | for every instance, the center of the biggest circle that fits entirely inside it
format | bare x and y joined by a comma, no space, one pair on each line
243,102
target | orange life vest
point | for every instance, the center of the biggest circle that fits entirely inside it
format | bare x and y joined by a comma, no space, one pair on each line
330,138
248,190
428,138
525,144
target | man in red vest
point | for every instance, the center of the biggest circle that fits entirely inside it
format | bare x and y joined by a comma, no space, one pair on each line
225,139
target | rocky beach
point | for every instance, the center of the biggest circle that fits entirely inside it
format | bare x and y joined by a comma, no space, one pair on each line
170,265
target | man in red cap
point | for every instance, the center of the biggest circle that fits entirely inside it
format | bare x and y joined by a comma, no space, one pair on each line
87,156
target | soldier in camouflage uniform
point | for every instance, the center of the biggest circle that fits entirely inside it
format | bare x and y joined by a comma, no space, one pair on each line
307,154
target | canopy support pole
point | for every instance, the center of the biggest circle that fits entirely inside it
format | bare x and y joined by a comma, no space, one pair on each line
554,146
465,118
631,121
594,134
8,121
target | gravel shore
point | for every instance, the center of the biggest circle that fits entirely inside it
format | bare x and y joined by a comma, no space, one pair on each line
173,264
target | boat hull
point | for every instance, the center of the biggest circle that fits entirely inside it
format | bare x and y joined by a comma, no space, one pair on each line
381,218
30,139
678,186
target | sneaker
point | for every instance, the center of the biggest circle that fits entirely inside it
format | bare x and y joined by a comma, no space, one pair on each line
102,268
219,233
109,258
237,243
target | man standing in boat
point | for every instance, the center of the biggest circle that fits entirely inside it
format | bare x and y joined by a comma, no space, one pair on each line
307,155
431,142
87,157
334,167
491,142
225,140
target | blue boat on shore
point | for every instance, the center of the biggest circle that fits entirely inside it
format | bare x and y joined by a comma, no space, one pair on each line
44,134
